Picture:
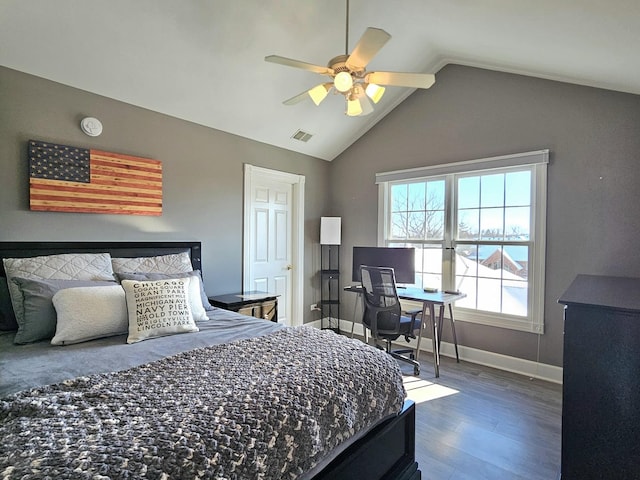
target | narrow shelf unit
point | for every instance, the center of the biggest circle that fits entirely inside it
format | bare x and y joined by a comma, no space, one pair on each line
330,287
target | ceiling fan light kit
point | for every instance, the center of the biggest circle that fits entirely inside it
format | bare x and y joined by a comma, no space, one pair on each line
349,76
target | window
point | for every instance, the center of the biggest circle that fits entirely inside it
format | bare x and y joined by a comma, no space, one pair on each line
478,227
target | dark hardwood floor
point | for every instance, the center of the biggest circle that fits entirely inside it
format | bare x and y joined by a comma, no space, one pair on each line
477,423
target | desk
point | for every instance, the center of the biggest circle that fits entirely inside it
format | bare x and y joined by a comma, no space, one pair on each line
429,301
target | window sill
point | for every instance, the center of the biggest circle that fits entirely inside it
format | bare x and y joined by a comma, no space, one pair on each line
487,318
504,321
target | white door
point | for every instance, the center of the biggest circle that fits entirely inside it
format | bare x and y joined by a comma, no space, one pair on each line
270,220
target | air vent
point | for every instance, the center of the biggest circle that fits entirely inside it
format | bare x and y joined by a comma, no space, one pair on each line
302,136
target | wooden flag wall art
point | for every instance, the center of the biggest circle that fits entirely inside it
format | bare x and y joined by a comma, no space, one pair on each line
71,179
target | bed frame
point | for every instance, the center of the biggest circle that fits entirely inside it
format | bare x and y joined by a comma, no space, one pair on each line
385,452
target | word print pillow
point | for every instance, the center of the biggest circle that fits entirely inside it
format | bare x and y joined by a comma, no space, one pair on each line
158,308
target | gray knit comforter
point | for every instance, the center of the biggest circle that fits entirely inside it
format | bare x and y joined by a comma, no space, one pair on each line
269,407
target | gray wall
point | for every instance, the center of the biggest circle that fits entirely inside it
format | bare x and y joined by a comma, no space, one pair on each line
202,177
593,193
593,221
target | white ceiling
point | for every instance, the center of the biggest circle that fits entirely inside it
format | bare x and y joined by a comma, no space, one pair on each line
203,60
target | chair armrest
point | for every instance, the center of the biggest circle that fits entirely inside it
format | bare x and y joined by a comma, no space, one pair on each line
413,313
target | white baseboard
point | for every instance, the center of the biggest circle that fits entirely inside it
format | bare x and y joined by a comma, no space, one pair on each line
529,368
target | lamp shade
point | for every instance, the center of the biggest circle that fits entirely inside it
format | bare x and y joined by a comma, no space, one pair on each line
375,92
353,107
319,92
330,230
365,105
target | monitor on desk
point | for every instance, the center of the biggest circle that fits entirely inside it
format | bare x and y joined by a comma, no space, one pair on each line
401,259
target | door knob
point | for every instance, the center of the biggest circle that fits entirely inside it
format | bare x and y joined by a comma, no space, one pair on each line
289,267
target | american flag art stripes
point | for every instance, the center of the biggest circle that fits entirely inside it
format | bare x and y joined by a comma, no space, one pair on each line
71,179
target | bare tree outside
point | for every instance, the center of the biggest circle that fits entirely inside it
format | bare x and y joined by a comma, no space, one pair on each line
417,217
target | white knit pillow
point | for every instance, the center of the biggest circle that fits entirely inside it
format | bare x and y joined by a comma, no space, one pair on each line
158,308
86,313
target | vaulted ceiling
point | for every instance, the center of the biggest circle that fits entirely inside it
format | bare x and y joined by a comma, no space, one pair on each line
203,60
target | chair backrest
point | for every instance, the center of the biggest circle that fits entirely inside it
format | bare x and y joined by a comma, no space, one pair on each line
382,310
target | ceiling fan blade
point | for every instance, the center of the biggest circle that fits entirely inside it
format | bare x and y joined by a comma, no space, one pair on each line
372,40
297,99
289,62
398,79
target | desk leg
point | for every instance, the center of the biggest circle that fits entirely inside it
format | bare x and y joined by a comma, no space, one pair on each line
423,319
453,330
364,328
353,320
434,339
440,322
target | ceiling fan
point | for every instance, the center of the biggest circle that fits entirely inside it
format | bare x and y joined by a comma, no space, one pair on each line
349,76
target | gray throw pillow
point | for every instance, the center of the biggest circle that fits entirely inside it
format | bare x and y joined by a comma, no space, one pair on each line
7,318
64,266
39,321
142,276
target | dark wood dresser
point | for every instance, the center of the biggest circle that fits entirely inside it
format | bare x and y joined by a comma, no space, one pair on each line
601,379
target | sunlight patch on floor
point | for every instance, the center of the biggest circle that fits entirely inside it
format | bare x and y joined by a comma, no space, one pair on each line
420,390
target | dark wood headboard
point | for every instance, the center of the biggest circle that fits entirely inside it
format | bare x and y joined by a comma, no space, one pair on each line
116,249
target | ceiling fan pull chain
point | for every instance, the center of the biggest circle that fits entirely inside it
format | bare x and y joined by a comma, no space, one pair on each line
346,42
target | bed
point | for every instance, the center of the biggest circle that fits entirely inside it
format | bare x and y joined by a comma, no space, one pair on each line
237,397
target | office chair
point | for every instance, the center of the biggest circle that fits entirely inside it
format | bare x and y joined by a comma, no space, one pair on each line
383,314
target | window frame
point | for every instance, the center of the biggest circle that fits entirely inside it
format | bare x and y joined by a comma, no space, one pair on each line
537,161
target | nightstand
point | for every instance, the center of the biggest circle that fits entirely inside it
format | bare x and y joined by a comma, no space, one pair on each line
253,303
